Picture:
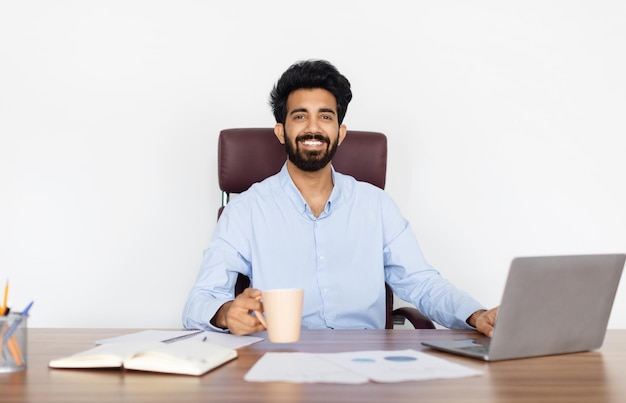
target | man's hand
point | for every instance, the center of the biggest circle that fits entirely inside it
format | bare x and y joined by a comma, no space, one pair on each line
236,315
484,321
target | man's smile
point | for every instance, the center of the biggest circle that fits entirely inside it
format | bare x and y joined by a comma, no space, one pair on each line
313,141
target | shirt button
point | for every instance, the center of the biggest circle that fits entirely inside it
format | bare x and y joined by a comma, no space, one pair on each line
321,257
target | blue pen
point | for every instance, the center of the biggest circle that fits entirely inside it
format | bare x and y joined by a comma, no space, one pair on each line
16,323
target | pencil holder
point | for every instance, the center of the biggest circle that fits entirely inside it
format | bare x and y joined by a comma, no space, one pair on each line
13,332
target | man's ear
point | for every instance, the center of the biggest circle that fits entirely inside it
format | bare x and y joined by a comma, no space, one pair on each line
279,131
343,130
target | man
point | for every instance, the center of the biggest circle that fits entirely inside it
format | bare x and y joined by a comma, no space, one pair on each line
311,227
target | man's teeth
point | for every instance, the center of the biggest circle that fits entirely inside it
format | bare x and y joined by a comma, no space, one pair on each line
312,142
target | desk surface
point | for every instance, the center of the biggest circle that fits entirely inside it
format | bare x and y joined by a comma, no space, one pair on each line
597,376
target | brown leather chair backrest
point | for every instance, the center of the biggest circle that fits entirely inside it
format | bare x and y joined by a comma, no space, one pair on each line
247,156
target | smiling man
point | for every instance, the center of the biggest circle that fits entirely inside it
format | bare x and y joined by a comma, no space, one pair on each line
297,229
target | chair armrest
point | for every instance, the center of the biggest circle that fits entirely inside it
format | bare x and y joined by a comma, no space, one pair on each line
417,319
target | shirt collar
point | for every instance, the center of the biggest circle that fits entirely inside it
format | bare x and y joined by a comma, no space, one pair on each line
298,201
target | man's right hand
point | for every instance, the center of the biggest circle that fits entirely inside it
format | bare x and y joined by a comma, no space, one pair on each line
236,315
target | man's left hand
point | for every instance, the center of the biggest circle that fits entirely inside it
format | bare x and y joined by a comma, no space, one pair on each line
484,321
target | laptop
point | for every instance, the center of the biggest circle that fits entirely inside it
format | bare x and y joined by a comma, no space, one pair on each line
550,305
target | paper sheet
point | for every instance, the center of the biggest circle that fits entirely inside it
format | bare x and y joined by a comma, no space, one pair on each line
354,367
222,339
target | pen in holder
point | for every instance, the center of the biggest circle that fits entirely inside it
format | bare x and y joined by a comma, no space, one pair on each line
13,341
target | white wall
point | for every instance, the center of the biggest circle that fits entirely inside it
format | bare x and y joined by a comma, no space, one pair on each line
505,122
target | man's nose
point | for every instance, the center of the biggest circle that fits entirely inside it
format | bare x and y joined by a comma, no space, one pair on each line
313,125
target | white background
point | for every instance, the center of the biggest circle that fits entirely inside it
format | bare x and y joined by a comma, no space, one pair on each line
505,123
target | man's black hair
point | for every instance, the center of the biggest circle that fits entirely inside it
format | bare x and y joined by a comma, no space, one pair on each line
310,74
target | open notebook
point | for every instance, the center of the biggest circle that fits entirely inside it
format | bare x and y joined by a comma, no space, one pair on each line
551,305
186,357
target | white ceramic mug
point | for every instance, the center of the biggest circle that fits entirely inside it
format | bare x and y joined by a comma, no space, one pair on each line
283,314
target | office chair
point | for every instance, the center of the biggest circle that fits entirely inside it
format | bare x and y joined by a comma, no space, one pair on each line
249,155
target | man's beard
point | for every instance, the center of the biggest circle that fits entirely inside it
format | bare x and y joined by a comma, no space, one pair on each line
310,161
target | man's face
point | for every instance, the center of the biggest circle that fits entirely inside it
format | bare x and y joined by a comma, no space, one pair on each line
311,131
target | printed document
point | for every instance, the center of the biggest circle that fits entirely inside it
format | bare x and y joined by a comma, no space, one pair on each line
354,367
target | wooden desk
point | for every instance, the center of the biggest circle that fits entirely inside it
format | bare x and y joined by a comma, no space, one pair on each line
598,376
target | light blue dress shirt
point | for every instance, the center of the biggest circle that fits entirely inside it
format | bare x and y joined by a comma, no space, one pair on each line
341,259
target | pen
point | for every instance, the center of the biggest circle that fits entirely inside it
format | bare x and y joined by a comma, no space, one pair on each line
16,323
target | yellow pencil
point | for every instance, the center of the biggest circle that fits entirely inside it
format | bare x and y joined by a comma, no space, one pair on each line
15,350
6,295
